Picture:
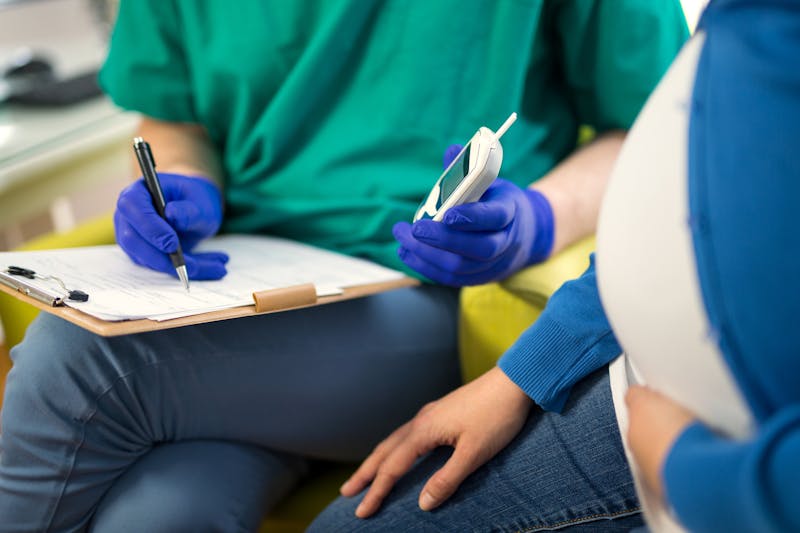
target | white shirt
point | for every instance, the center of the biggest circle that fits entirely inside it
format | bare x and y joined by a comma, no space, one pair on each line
647,274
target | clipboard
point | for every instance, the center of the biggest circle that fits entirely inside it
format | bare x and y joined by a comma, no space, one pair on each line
46,296
283,298
294,298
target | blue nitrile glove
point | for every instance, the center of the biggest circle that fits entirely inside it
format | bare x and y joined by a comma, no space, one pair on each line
488,240
193,211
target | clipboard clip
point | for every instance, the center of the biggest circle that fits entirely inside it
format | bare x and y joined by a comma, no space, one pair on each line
11,277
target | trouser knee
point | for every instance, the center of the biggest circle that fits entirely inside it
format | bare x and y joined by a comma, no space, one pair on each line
59,371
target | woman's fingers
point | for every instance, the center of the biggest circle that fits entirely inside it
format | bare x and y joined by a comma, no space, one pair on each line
369,467
466,419
655,424
389,472
445,481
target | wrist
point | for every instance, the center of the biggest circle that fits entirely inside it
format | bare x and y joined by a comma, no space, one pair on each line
544,226
191,171
510,390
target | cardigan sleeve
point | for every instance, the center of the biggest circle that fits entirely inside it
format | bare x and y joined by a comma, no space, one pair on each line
716,484
571,339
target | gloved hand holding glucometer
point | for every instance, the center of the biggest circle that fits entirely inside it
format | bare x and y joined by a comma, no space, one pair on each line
473,228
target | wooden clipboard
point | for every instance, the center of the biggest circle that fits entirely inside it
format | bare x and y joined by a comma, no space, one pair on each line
264,302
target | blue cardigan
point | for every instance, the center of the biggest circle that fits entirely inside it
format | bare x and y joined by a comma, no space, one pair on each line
744,199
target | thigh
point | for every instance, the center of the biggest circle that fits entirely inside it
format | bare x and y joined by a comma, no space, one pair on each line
327,381
197,486
563,471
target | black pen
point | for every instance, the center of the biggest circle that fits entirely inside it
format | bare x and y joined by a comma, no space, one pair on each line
148,166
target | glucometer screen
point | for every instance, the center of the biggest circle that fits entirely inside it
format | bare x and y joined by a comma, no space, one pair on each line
458,171
445,186
464,180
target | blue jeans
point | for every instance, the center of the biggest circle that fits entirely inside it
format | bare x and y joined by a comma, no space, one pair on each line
565,472
202,428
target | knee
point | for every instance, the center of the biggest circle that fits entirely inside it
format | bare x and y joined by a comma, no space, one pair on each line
165,512
53,376
338,516
196,486
53,345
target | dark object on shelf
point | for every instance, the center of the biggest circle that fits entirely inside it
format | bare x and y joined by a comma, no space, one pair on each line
28,65
58,92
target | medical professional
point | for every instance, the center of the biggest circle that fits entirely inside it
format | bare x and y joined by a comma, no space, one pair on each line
696,271
320,121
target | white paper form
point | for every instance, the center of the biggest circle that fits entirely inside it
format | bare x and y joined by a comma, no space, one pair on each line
120,290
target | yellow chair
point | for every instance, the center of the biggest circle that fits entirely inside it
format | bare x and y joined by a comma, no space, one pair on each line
491,318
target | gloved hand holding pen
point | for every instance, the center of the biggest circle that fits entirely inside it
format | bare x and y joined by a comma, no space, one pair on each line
193,212
488,240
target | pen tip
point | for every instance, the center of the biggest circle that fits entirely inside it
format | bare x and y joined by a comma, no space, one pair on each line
184,276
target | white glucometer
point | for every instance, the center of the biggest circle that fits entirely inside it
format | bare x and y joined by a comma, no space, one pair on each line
469,175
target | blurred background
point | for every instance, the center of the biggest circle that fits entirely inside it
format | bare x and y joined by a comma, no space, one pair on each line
61,143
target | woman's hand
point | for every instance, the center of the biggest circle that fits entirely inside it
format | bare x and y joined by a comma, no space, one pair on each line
655,424
478,420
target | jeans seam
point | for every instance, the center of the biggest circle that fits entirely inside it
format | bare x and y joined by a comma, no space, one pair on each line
564,523
68,474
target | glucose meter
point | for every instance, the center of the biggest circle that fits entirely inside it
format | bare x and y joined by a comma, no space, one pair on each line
469,175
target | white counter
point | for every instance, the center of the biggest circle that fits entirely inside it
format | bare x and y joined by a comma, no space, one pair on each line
56,160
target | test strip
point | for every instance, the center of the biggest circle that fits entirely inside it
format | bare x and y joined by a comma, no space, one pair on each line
507,124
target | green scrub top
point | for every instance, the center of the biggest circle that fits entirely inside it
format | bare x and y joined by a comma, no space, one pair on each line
331,116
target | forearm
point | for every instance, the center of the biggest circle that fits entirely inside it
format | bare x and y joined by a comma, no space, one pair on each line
181,149
717,484
575,188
